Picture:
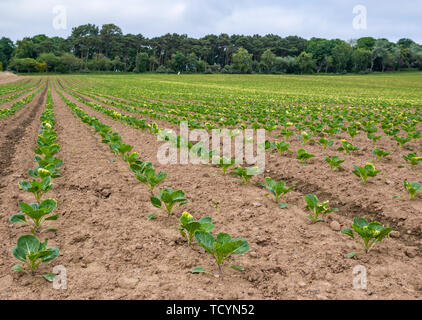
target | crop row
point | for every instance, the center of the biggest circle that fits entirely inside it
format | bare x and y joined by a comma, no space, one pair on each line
4,113
29,249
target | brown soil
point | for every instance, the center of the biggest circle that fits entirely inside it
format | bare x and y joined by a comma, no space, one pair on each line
111,250
6,77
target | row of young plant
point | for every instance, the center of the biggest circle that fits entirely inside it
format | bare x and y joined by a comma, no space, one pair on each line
220,247
363,172
29,249
312,202
4,113
13,87
19,93
370,233
311,120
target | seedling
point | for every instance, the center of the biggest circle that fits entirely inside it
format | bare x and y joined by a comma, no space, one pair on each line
347,147
150,178
380,153
370,233
304,137
225,164
282,146
30,251
401,141
169,197
365,172
189,226
276,188
317,209
245,174
38,188
334,162
286,134
303,155
222,247
413,188
325,142
36,212
412,158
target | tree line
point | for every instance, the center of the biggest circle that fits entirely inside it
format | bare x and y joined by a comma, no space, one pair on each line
90,48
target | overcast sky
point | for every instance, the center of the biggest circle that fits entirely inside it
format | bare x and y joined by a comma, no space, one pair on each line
390,19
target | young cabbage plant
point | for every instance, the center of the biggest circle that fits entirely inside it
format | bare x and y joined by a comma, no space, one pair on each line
36,212
245,174
222,247
32,252
150,178
286,134
303,155
413,188
347,147
304,137
373,137
38,188
365,172
412,158
325,142
370,233
334,162
169,198
188,226
401,141
225,163
352,131
317,209
282,146
380,153
277,188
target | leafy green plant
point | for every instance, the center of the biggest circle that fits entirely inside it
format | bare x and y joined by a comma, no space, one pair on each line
380,153
347,147
413,188
334,162
33,252
365,172
304,136
303,155
222,247
36,212
189,226
226,163
169,198
38,188
370,233
412,158
277,188
281,146
325,142
150,178
318,209
401,141
245,174
286,134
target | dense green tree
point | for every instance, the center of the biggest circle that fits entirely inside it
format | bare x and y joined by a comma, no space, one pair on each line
267,60
305,63
341,54
242,61
51,60
6,51
142,61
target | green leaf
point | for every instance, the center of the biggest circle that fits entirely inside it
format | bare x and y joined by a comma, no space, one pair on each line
239,268
49,277
18,267
53,218
17,218
205,240
152,216
198,270
49,205
283,205
351,255
156,202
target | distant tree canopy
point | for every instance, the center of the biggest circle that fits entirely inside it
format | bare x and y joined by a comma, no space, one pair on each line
91,48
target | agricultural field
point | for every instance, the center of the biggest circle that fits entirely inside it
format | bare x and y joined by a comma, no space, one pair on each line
340,187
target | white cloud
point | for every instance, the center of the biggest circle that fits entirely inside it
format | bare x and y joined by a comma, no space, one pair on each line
326,18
